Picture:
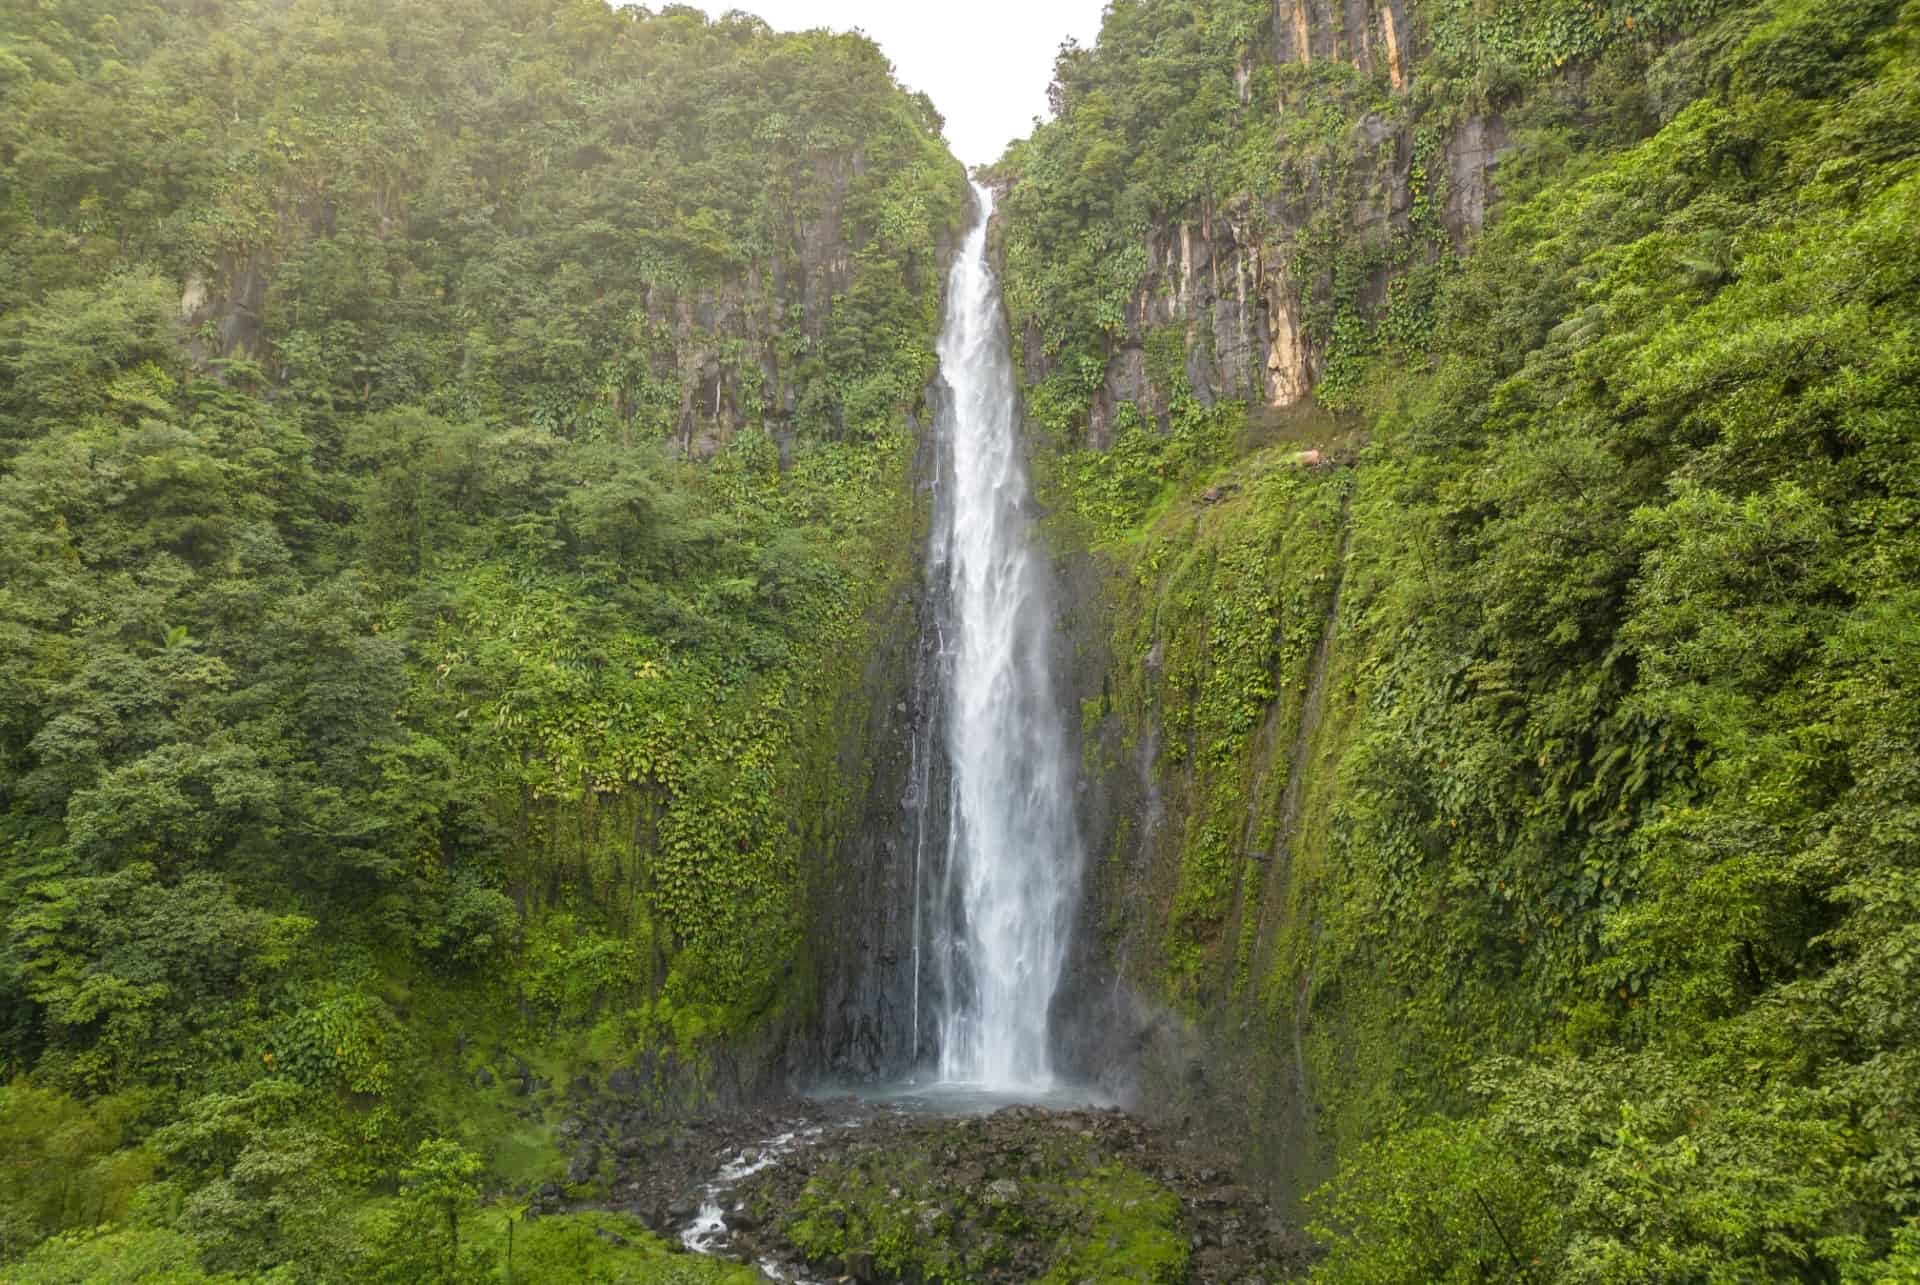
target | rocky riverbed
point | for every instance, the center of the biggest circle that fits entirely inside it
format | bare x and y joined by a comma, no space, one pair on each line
879,1192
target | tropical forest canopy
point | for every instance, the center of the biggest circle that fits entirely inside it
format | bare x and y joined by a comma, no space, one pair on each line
437,441
457,456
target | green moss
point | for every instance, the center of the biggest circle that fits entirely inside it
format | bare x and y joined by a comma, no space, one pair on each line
1059,1204
1221,602
1133,1232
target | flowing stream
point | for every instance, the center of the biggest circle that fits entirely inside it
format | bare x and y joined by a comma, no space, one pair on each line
995,907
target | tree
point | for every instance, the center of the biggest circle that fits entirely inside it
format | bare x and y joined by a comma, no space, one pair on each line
443,1181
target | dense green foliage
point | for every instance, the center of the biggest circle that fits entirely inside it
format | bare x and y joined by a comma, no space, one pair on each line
449,455
417,644
1634,794
1179,115
1596,931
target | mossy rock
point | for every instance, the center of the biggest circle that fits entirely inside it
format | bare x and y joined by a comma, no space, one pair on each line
1052,1211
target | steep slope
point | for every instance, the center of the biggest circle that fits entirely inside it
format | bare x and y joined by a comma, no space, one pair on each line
1506,756
457,544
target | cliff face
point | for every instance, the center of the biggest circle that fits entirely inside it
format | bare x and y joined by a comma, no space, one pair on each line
1448,841
570,363
1207,648
1195,381
1213,668
1254,281
862,900
703,360
1372,35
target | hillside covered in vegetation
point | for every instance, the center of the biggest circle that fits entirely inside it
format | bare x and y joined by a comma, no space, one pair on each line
450,458
463,487
1516,754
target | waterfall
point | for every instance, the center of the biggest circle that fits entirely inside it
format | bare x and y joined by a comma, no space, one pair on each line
995,909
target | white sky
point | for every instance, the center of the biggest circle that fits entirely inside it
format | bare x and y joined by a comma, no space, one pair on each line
985,63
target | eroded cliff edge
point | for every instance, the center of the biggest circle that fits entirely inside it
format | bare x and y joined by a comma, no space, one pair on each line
1381,395
1206,639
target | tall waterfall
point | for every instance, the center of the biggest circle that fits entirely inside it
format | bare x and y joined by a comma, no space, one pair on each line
997,914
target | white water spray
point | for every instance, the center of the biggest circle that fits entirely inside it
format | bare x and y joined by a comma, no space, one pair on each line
1013,851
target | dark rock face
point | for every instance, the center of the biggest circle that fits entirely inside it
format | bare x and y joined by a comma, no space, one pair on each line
864,906
224,313
1226,273
1225,277
863,915
725,341
1471,159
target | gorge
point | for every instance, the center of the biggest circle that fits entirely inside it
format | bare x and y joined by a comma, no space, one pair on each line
601,652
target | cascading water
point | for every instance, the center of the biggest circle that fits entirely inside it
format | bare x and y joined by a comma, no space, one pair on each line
995,847
995,916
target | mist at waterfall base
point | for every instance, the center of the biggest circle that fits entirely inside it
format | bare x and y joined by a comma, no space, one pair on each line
994,842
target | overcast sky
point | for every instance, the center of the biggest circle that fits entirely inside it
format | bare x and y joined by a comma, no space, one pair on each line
985,63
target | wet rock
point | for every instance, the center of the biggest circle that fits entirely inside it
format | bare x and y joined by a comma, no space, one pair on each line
985,1187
